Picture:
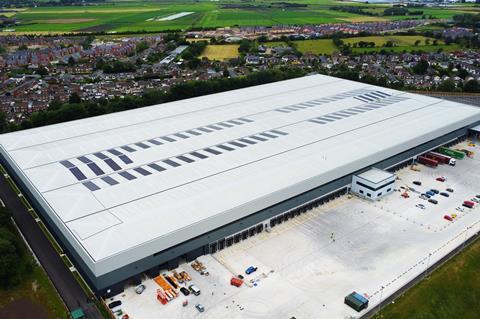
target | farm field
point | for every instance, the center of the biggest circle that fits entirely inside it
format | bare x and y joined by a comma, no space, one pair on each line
221,52
138,15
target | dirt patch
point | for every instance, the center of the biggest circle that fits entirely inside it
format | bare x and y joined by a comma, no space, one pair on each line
23,308
62,21
362,19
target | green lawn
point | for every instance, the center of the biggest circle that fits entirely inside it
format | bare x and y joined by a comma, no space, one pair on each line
321,46
452,291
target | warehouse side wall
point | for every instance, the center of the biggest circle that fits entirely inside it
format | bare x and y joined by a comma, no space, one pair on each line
113,282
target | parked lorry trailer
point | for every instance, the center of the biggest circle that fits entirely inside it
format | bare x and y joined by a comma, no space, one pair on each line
427,161
452,153
440,158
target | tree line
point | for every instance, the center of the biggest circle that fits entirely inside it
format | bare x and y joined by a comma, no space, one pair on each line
75,109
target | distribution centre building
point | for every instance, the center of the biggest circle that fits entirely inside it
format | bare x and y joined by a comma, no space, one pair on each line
133,192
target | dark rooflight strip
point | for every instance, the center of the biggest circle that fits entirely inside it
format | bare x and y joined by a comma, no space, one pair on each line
109,180
181,135
115,152
193,132
125,159
244,140
212,151
245,120
96,169
171,163
157,167
279,132
225,147
225,124
84,159
128,148
371,96
185,159
199,155
258,138
283,111
317,121
203,129
235,143
167,138
142,171
78,173
361,99
110,162
268,135
235,122
155,142
142,145
101,155
127,175
325,119
218,128
91,186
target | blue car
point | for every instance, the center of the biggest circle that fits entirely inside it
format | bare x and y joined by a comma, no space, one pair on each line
430,193
250,270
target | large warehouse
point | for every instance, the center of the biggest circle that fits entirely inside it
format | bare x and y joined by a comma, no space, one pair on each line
137,191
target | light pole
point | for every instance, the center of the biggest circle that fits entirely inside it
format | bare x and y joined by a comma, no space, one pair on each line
428,263
380,305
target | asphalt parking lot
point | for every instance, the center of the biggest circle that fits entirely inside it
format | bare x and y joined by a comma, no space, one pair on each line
307,265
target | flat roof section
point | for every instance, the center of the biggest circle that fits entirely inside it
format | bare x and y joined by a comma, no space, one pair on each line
124,186
375,175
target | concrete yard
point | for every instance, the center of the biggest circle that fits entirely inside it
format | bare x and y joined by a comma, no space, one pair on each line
307,265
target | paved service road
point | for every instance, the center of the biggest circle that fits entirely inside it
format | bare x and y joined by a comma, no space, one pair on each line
66,284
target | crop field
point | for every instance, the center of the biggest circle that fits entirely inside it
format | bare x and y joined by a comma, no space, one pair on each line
221,52
404,40
138,15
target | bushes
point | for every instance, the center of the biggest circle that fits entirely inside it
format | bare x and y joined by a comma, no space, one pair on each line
10,252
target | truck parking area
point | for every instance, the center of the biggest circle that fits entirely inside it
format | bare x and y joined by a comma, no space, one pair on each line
307,265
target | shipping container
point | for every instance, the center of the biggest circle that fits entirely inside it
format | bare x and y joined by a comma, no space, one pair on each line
356,301
452,153
427,161
441,158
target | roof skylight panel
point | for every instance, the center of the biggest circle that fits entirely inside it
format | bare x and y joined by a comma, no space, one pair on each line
167,138
181,135
91,186
185,159
97,170
142,171
109,180
212,151
127,175
77,173
171,163
110,162
225,147
128,148
124,158
235,143
67,164
142,145
155,142
193,132
157,167
204,129
84,159
258,138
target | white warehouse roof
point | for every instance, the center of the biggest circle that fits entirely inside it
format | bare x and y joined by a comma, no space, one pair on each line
127,185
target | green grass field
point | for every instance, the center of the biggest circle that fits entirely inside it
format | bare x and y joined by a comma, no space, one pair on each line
132,15
452,291
220,52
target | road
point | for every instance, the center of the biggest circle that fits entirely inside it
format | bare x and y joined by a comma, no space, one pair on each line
69,289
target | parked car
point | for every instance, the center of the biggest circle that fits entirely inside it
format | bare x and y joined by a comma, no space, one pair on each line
450,190
476,200
444,194
418,183
194,290
114,304
448,218
250,270
430,193
477,196
139,289
200,307
441,179
421,206
435,191
184,291
433,201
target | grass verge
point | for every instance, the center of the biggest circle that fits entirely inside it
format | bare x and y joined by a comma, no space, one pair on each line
452,291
